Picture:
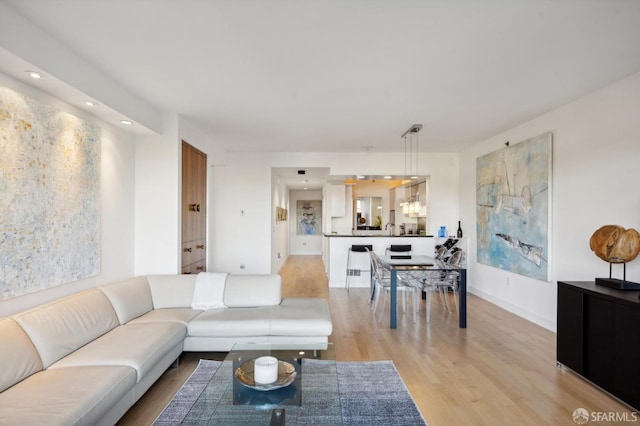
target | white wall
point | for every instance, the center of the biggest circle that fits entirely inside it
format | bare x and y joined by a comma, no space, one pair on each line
303,244
157,205
159,193
279,230
243,196
596,156
240,218
117,215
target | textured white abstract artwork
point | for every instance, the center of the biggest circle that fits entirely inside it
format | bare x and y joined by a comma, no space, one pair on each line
49,196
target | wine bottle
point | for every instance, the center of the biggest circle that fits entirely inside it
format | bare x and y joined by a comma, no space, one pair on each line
459,230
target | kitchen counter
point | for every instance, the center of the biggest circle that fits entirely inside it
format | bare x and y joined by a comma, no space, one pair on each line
379,235
336,250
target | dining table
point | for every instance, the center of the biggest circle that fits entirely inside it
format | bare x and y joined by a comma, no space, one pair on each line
413,263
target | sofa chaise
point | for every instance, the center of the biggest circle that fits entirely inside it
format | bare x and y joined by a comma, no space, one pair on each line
87,358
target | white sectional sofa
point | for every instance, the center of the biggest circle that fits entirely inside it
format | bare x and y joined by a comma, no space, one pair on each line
86,359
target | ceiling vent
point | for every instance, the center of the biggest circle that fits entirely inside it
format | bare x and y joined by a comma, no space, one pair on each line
302,172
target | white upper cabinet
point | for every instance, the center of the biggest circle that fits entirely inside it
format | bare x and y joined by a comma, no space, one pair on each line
338,200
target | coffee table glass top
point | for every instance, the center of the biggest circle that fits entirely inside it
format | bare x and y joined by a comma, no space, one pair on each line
313,393
243,354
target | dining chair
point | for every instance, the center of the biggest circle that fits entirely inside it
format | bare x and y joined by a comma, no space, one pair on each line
419,277
382,286
442,282
398,249
441,252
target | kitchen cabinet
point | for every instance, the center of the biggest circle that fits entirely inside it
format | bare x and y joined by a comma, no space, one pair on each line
338,200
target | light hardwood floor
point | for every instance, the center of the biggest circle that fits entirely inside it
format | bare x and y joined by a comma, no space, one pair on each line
501,370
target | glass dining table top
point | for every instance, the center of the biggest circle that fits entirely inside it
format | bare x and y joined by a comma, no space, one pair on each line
417,261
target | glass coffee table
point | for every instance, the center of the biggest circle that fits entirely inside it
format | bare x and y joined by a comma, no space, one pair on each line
310,396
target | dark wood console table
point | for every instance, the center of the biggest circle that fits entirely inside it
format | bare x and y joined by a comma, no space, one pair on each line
598,336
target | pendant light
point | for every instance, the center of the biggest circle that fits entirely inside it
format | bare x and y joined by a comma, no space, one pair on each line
411,207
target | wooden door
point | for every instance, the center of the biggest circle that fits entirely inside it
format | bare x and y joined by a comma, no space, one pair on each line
194,210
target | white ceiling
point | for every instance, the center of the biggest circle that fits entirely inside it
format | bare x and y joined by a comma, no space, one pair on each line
313,178
344,75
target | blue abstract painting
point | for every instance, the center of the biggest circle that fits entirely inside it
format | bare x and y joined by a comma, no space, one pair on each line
309,217
513,195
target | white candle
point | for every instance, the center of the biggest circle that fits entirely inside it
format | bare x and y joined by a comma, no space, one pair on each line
265,370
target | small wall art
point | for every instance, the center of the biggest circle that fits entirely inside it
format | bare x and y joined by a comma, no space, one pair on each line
282,214
309,217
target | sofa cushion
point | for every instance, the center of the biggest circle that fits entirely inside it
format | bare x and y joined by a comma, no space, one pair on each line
18,358
172,291
252,290
235,322
301,316
181,315
130,298
60,327
139,346
66,396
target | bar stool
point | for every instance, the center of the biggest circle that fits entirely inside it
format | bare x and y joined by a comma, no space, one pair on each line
358,248
395,249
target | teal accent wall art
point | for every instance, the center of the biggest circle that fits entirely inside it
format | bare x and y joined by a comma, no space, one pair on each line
513,195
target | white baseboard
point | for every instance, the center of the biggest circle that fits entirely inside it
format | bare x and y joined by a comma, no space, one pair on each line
529,316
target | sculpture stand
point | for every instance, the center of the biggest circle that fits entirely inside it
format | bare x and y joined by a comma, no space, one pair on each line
622,284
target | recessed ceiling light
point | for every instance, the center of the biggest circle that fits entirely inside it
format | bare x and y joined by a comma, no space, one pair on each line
388,177
305,188
359,177
35,74
91,104
127,122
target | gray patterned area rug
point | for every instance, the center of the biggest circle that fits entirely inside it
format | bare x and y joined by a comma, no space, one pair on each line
370,393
